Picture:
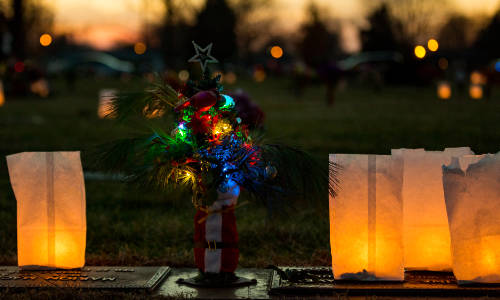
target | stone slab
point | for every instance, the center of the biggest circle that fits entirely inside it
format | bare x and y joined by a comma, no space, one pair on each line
145,278
171,288
316,281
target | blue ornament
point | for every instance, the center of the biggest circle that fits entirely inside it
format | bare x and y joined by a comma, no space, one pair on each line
225,186
270,172
229,102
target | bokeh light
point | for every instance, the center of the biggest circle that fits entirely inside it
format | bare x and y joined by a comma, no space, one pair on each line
420,51
259,74
183,75
444,90
276,52
19,66
40,87
230,77
2,95
477,78
432,45
45,39
217,73
497,66
475,91
140,48
443,63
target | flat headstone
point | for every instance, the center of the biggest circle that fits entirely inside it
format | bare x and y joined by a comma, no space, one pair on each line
171,288
314,281
146,278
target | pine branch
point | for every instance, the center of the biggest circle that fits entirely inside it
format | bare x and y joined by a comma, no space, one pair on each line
117,156
158,99
298,172
333,180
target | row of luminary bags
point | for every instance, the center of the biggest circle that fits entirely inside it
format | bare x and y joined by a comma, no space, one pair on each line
416,210
391,213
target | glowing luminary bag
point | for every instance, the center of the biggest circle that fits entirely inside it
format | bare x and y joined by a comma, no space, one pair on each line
51,222
366,218
426,237
472,193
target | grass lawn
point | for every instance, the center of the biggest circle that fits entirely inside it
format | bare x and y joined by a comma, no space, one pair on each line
126,226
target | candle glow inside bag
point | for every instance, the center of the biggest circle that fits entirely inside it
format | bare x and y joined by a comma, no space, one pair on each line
426,237
366,218
472,194
51,222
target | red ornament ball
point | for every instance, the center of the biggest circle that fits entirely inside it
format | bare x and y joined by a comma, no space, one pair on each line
203,100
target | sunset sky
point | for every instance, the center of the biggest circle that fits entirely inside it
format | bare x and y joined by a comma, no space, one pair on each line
105,23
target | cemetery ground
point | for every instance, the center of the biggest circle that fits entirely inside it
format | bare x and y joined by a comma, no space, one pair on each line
134,227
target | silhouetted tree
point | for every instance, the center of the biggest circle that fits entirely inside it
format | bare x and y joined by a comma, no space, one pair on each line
254,18
318,48
29,20
383,32
418,19
454,34
409,22
4,33
38,19
318,44
174,35
488,42
17,29
216,23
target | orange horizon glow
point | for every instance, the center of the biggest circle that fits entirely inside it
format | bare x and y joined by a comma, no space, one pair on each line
106,24
101,37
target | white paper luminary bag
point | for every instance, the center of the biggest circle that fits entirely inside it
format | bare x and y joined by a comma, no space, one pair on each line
426,237
472,194
51,222
366,218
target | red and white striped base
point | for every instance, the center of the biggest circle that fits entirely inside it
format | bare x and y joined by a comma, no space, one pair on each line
217,226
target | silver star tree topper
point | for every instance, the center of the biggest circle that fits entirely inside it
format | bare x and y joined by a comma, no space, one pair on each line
203,56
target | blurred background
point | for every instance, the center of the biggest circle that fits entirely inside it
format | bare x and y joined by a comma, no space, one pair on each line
379,43
330,76
301,53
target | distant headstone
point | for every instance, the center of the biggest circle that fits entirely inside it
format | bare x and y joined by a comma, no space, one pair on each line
104,106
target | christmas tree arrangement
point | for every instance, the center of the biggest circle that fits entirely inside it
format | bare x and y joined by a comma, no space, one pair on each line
210,151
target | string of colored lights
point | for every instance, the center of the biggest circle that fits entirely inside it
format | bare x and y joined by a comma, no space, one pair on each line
209,140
